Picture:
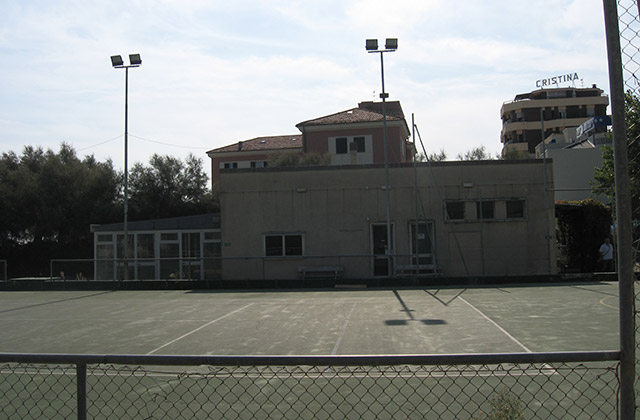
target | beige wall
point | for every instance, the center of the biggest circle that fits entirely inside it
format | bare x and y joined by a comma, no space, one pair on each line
334,207
573,171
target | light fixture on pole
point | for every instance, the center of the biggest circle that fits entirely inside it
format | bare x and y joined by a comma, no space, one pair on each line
391,44
118,63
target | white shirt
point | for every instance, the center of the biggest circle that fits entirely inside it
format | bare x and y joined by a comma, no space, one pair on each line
606,251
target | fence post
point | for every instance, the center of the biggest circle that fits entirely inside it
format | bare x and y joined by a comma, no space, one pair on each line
81,394
623,214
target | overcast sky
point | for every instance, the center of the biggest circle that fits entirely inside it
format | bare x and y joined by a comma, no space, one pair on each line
216,72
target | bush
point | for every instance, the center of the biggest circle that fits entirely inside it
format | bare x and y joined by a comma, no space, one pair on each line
504,406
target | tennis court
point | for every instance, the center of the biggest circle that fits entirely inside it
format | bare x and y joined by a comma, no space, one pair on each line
531,318
441,321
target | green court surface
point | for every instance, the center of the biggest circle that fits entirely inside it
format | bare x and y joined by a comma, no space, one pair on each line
509,318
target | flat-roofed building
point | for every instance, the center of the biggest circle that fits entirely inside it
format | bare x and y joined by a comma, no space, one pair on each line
476,218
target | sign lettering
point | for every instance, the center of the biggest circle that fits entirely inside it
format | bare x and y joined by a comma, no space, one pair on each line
556,80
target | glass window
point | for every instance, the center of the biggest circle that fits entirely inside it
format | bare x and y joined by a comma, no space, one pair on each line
120,246
293,245
104,251
145,245
484,209
191,245
455,210
515,209
423,241
273,245
283,245
341,145
360,145
168,236
105,238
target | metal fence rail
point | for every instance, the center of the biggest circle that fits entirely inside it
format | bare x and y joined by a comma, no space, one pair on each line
477,386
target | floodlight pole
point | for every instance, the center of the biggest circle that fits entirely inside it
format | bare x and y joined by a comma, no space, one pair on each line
389,47
135,62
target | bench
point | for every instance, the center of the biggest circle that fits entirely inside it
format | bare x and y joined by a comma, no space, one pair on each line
422,270
321,272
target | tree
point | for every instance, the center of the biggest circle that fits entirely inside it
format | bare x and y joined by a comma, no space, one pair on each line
49,201
477,153
432,157
169,187
291,159
604,177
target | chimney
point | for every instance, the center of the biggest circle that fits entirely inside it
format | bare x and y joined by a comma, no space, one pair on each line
239,146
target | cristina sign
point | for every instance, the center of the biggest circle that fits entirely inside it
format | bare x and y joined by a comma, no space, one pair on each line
556,80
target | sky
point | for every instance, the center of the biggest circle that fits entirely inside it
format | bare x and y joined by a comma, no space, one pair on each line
217,72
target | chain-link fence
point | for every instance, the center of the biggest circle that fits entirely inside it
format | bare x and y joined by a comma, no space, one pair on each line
629,27
3,270
512,386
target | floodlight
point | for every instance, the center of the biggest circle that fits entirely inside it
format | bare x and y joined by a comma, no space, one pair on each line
391,44
372,44
116,61
135,59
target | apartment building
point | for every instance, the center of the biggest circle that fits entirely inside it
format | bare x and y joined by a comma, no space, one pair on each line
555,108
353,136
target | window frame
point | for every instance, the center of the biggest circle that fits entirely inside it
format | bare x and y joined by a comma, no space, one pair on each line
447,214
284,247
516,200
480,209
342,145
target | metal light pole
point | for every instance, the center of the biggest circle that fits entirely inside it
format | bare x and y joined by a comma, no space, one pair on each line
116,62
391,44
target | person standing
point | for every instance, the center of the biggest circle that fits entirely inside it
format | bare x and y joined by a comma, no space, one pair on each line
606,256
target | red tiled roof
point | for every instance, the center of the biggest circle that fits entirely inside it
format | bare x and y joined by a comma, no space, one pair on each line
293,141
364,113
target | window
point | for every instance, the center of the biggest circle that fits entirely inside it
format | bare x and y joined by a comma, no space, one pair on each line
262,164
168,236
105,238
423,242
515,209
283,245
229,165
359,142
145,245
341,145
484,209
455,210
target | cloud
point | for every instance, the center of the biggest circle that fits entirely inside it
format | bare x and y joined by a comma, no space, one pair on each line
395,17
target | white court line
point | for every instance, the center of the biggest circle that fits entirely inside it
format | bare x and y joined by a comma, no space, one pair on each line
198,329
497,326
344,329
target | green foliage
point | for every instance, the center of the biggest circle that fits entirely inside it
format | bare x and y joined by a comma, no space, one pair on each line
511,154
504,406
477,153
291,159
604,177
49,200
315,159
432,157
284,159
169,187
582,227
